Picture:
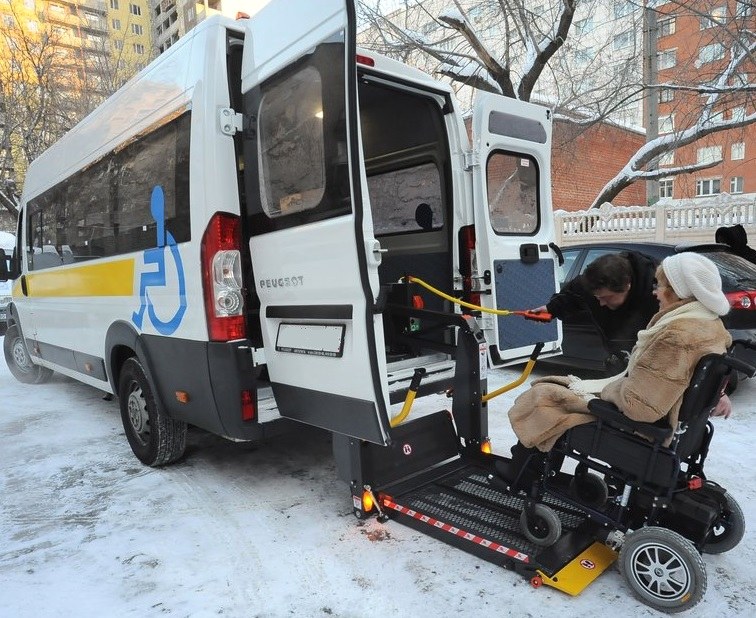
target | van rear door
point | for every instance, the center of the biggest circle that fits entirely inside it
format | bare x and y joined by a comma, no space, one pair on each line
513,222
313,253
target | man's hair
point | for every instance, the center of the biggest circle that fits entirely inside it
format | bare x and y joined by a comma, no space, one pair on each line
611,271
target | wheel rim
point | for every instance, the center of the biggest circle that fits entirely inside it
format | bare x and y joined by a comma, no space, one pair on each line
139,418
661,572
20,357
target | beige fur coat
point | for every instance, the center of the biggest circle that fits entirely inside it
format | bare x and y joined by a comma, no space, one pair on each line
659,371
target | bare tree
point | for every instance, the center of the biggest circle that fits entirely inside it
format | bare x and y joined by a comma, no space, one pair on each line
505,46
508,61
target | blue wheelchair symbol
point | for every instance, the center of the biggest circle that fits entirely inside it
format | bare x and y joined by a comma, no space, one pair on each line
157,278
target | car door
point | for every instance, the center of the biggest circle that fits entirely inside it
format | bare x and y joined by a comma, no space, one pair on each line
314,256
513,221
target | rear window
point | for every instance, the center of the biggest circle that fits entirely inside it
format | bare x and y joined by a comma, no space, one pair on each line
737,273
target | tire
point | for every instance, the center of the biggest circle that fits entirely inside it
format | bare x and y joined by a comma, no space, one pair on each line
544,529
155,438
729,530
664,569
20,362
590,489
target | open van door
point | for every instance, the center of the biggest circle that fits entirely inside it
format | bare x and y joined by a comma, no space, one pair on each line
513,221
313,253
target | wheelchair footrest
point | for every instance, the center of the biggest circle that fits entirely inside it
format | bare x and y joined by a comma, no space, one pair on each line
579,572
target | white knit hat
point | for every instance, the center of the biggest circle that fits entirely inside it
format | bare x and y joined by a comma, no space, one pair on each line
693,275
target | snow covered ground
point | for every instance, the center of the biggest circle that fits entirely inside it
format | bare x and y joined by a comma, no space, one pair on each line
236,530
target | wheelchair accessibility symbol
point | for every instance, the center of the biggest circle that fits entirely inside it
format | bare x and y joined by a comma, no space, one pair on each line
157,278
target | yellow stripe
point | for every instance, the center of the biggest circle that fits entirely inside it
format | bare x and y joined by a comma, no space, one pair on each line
108,279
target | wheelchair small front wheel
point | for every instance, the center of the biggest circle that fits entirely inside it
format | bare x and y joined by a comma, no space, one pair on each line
663,568
728,531
544,528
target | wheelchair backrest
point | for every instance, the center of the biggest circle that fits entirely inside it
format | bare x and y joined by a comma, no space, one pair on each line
701,396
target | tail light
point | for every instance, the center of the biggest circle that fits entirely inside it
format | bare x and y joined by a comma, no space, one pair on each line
222,278
366,60
742,300
468,264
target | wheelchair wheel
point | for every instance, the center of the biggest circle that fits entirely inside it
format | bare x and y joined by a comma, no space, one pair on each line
664,569
729,530
590,489
544,528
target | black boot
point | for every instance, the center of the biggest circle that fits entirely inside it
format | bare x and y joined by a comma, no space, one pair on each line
524,468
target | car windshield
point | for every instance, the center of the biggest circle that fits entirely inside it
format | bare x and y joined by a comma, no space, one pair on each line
737,273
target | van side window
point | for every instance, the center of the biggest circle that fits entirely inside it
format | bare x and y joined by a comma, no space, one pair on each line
512,181
104,210
296,167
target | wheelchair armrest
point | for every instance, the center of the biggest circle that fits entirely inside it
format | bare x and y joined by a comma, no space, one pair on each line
611,414
739,365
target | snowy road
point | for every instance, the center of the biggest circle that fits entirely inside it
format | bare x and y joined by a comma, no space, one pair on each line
234,530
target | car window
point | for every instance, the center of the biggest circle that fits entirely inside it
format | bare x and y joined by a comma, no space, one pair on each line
593,254
569,259
737,273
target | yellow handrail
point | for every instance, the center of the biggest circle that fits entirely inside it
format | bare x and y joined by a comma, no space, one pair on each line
528,315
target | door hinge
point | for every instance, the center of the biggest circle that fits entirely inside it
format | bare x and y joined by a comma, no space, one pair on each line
230,121
471,160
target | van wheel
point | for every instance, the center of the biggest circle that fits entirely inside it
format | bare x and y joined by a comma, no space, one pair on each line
19,361
155,438
664,569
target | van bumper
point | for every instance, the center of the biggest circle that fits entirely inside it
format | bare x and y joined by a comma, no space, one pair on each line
212,376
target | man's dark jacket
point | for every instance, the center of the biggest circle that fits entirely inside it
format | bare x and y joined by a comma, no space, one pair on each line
620,324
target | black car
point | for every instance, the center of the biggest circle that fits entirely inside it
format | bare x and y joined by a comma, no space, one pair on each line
585,347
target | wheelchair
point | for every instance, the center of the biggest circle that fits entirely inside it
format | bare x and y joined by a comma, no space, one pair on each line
643,486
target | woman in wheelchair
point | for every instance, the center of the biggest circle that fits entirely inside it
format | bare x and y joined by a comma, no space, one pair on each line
687,327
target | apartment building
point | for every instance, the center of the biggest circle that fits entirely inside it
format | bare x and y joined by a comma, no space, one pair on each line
694,45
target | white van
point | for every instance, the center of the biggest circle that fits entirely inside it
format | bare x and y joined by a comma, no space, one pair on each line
226,240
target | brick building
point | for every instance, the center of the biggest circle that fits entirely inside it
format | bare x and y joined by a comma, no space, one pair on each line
694,43
583,160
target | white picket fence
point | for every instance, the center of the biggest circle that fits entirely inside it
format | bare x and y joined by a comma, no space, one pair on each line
669,221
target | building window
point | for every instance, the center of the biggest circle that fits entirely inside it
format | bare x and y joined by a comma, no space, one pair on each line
116,23
584,26
736,184
666,95
710,53
707,186
737,151
668,158
623,8
716,18
666,26
114,4
135,9
666,187
667,59
666,124
709,154
744,8
623,40
138,48
137,29
118,45
738,114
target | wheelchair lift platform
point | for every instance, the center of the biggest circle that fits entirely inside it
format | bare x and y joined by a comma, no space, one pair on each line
422,480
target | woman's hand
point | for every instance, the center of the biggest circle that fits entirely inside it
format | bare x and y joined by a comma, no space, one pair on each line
724,407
